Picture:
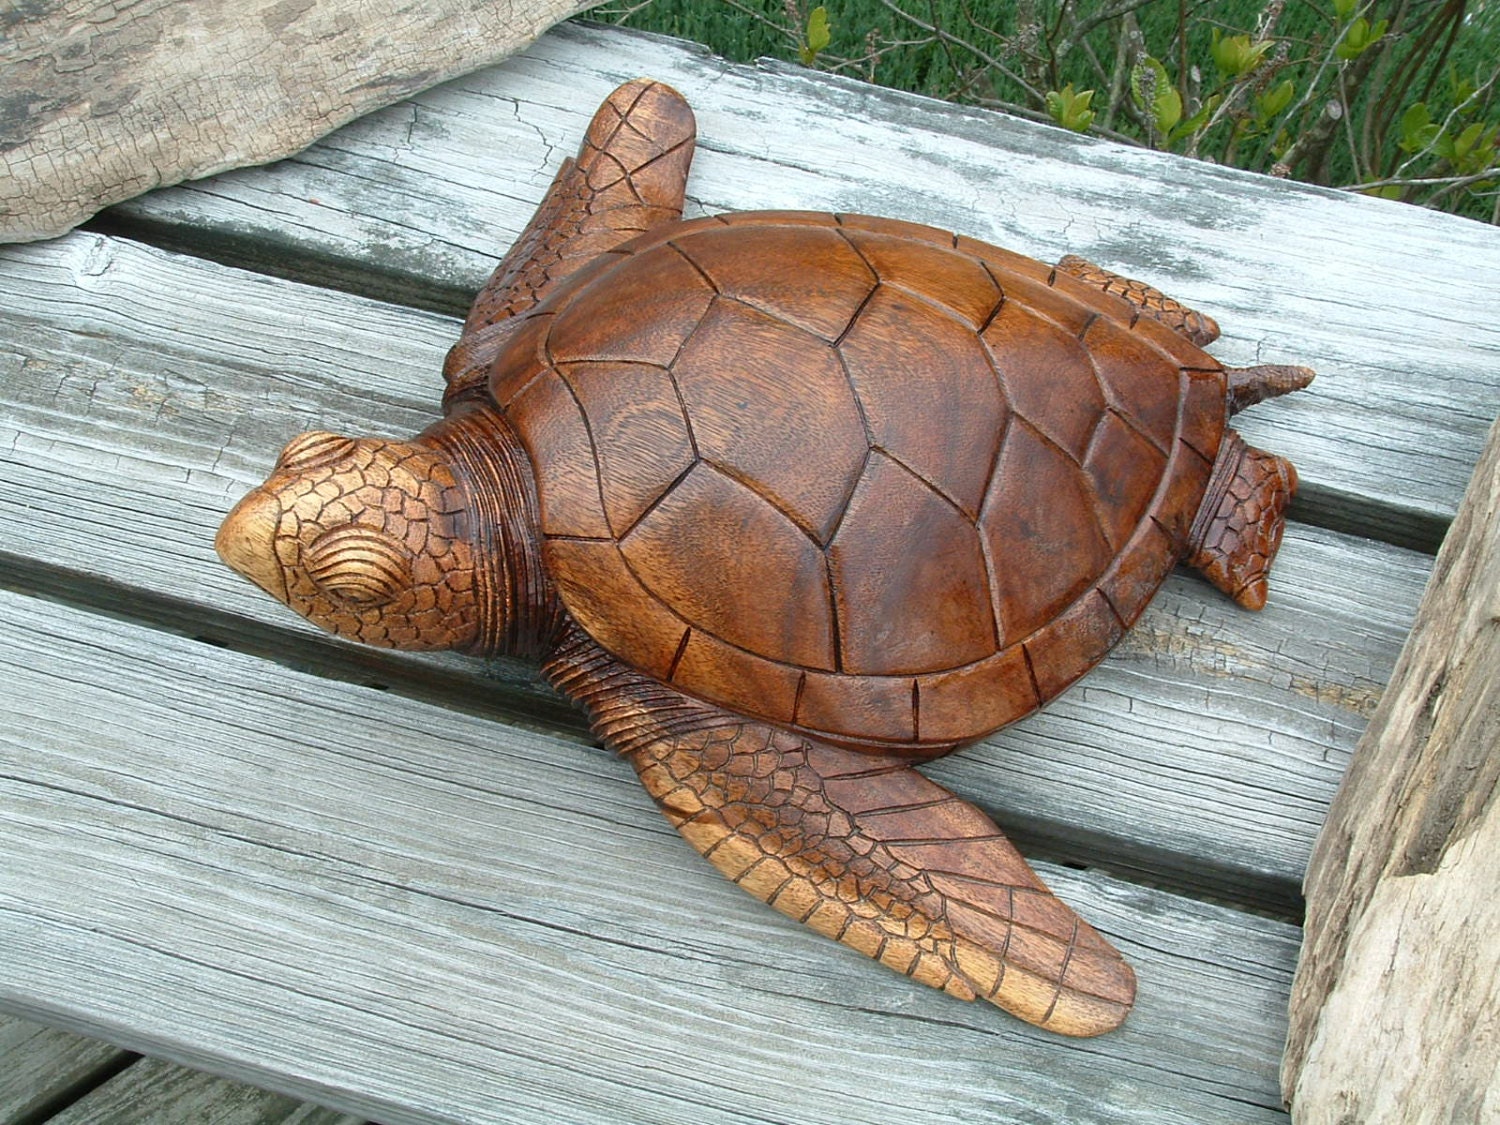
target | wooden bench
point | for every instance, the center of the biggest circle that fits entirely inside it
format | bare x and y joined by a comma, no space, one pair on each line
411,888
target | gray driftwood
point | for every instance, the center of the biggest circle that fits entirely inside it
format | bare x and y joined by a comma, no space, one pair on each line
1396,1012
101,101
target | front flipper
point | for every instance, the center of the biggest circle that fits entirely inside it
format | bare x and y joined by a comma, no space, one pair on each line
860,847
630,176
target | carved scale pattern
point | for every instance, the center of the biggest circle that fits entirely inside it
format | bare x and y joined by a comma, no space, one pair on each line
1239,526
908,411
335,506
1200,329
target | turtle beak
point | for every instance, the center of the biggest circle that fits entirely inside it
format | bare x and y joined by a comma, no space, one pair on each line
247,542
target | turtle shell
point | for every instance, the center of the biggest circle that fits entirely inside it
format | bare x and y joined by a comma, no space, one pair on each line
863,478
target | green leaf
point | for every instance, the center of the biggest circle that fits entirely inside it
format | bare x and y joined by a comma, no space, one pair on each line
817,36
1236,55
1360,37
1273,101
1070,108
1417,129
1465,142
1168,109
1343,9
1198,120
1474,149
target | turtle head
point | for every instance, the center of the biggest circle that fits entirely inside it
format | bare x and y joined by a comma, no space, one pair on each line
372,540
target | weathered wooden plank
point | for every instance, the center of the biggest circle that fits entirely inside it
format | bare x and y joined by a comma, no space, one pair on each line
416,202
163,1093
104,100
144,392
44,1068
1398,989
417,915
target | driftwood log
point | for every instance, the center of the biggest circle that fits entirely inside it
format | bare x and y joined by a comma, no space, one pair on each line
102,101
1395,1013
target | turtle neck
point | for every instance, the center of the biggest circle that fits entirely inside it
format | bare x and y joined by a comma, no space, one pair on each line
520,613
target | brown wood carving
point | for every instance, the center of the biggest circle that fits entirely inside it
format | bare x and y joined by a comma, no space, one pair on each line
791,502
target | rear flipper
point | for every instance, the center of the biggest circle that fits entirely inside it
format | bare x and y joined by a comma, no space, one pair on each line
860,847
1238,528
1152,302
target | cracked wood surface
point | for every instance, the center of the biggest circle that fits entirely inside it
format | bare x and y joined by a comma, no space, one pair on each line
1397,999
102,101
263,890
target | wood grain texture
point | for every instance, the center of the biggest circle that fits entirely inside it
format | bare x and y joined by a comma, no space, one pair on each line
44,1068
1397,999
104,101
245,857
155,411
860,848
394,204
163,1093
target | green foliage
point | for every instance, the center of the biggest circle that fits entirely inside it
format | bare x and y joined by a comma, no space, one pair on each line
816,37
1235,55
1270,104
1071,110
1398,98
1359,37
1418,130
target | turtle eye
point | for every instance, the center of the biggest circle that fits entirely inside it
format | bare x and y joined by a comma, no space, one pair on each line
358,565
316,447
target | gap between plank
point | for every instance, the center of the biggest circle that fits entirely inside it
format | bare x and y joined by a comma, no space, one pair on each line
470,691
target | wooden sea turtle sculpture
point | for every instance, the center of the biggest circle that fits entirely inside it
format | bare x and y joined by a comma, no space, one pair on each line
790,503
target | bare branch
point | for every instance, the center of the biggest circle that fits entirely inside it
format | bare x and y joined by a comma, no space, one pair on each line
1449,183
963,44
